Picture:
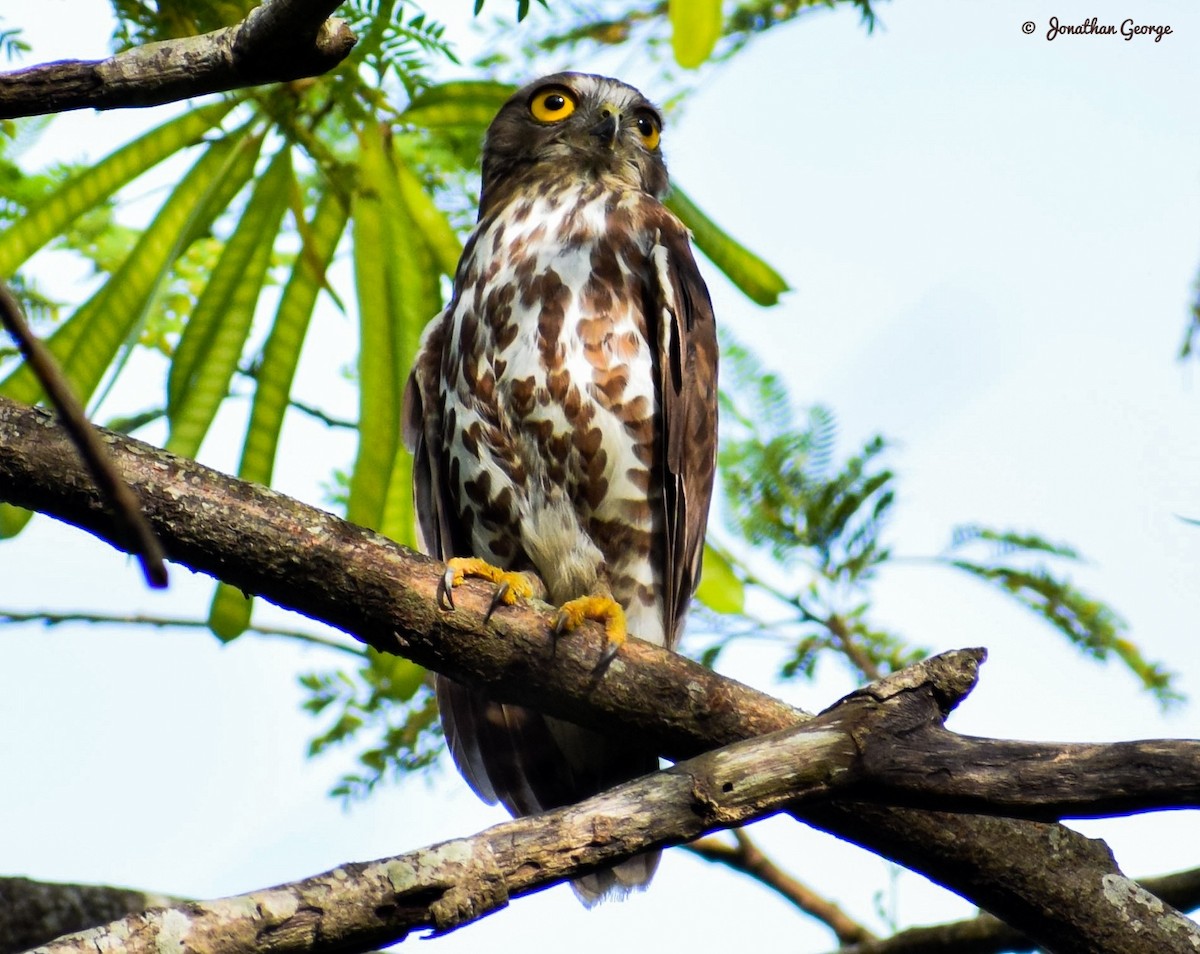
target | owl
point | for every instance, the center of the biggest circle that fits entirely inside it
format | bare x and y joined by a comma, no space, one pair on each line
562,416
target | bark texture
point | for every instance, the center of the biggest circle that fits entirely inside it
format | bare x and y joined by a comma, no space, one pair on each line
33,912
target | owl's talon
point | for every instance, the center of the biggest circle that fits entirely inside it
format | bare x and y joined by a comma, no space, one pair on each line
445,590
602,609
499,598
510,585
610,653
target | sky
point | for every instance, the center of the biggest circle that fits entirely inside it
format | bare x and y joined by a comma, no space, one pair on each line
993,239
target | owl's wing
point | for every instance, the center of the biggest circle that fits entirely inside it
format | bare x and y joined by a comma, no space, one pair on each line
421,422
470,721
687,364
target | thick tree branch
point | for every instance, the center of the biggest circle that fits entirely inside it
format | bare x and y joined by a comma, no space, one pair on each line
1037,780
278,41
923,765
1062,889
39,911
913,760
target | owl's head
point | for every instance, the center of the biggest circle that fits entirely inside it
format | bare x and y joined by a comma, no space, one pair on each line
575,127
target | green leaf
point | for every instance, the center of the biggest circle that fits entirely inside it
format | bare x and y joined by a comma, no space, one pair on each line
87,342
97,183
281,353
229,615
695,29
1008,541
425,247
398,294
435,229
378,377
13,520
220,323
128,423
225,273
1088,623
468,103
720,588
756,279
389,704
392,678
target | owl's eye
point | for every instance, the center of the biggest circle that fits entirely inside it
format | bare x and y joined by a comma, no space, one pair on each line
551,105
648,129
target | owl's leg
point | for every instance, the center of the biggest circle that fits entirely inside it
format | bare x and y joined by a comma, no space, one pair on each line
572,565
510,585
603,609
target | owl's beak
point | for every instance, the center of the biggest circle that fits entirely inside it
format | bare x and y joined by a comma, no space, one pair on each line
610,124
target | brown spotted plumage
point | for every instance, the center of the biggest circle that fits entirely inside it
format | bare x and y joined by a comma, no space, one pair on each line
562,416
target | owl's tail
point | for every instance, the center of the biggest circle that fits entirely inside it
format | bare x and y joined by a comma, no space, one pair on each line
615,883
532,763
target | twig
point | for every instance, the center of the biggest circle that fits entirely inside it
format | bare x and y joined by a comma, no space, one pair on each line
1182,888
745,856
309,409
859,659
162,622
327,419
280,40
834,624
120,497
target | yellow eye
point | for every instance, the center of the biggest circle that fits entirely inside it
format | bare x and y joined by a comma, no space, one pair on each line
648,128
552,105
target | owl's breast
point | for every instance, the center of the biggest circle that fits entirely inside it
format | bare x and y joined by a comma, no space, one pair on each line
552,389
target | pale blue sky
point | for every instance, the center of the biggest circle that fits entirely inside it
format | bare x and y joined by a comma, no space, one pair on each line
993,240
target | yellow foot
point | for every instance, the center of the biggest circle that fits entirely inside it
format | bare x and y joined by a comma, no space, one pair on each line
510,585
602,609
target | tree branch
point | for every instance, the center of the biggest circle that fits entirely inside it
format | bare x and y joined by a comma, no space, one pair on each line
745,856
35,911
278,41
48,910
987,935
1036,780
123,500
1062,889
49,618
